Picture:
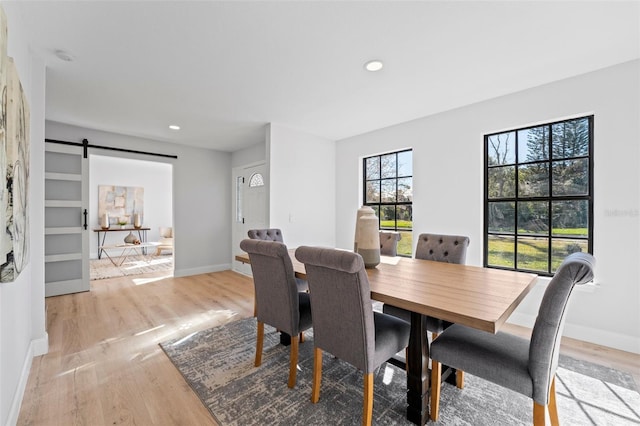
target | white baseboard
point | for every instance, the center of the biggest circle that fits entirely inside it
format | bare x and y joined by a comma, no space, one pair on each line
41,345
618,341
201,270
36,347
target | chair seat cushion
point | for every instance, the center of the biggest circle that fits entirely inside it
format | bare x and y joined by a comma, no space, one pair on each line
304,305
501,358
392,336
434,325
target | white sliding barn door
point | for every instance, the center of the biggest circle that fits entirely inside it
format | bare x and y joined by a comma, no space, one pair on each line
66,254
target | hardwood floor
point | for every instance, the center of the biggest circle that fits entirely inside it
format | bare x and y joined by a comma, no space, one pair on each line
104,365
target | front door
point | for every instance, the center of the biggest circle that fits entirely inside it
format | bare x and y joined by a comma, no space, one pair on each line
250,207
66,252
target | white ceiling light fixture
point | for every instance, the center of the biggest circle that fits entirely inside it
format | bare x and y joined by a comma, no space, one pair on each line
374,65
64,55
174,127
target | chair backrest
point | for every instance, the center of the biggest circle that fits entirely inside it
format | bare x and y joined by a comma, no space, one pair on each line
389,243
340,304
166,232
442,248
272,234
277,301
544,349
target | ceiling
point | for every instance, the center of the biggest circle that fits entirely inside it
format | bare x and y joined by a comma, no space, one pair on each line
222,70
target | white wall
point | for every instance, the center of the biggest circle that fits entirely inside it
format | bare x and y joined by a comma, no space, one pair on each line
22,322
154,177
448,187
201,194
250,155
302,186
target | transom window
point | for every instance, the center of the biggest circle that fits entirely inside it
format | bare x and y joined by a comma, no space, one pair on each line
388,189
256,179
538,195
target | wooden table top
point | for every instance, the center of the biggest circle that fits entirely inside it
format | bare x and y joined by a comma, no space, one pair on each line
477,297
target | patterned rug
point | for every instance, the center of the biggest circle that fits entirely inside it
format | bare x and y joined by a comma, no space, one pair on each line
133,265
218,365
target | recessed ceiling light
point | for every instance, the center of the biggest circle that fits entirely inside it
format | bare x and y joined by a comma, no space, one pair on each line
64,55
174,127
375,65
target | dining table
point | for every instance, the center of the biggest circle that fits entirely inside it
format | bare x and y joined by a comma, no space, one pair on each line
474,296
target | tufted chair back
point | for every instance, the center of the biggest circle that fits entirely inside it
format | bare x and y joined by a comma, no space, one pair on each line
544,350
389,243
272,234
275,285
442,248
340,300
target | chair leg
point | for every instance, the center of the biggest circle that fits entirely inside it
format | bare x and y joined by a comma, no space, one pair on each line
259,342
539,411
301,337
538,414
436,379
553,408
434,335
460,379
317,374
367,409
293,363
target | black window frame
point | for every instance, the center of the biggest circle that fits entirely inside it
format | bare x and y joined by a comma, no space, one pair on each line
549,198
377,205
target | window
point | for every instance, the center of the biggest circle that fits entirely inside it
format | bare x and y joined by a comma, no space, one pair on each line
256,180
538,195
388,189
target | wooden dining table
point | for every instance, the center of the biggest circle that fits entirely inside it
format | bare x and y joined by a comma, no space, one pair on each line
474,296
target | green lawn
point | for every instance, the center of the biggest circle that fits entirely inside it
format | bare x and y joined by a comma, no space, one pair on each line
406,243
532,252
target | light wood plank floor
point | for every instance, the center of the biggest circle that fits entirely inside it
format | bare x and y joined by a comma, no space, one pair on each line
104,365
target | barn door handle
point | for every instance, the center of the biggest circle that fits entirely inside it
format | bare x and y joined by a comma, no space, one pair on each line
85,219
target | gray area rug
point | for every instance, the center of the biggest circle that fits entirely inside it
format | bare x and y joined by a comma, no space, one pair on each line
218,365
133,265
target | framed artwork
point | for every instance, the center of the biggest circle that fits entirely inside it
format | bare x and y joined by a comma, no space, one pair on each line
120,203
14,167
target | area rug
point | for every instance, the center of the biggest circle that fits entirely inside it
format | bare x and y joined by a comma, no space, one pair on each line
218,365
133,265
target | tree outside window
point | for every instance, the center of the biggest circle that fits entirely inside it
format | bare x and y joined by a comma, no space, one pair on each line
388,189
538,195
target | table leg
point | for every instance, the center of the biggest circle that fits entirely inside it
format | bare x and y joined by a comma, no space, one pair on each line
285,339
142,235
101,244
418,371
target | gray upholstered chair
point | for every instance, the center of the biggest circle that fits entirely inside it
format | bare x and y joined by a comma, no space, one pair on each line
345,324
525,366
278,301
272,234
275,234
389,243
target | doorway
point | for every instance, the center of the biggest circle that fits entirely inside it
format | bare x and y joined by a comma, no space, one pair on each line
129,187
250,207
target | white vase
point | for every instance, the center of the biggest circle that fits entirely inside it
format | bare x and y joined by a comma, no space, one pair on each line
104,221
367,239
137,220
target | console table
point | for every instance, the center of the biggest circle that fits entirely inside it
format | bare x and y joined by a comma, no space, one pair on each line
142,236
127,250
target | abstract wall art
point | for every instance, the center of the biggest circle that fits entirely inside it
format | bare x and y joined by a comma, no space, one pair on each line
14,166
120,202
